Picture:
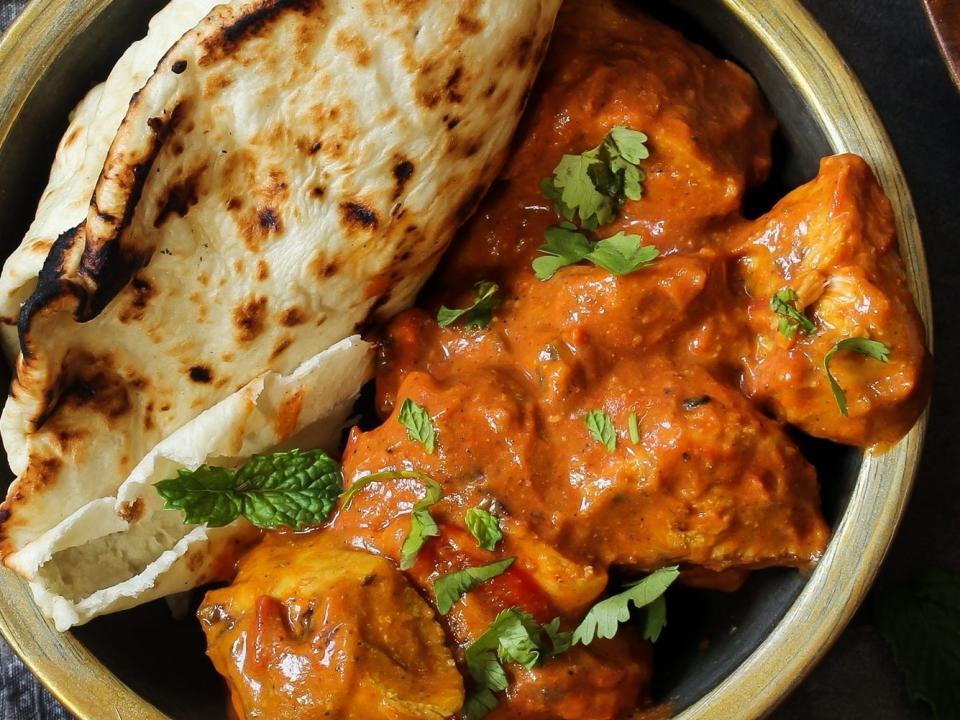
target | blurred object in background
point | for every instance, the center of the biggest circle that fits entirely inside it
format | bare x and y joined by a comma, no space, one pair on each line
944,17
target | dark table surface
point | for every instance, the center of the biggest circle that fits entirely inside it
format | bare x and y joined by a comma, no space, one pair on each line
891,49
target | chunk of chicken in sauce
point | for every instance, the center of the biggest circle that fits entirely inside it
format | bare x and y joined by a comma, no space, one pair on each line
688,346
833,242
311,629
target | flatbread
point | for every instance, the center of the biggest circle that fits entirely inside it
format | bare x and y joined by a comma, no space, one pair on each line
291,171
79,159
117,552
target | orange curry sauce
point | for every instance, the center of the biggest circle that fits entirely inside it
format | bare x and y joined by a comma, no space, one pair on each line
688,344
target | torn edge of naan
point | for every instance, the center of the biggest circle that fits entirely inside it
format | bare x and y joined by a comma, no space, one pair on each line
118,552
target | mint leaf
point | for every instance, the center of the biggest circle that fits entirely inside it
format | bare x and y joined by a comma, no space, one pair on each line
287,489
921,622
784,304
601,428
484,527
871,348
451,587
594,185
382,476
422,524
418,424
476,316
604,619
622,254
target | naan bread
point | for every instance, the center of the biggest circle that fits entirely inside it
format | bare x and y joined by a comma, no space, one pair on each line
291,171
79,159
117,552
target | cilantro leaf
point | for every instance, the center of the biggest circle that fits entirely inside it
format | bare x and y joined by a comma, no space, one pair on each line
604,618
451,587
476,316
596,183
630,144
560,641
633,426
418,424
422,524
479,704
784,304
565,245
484,527
921,622
513,636
601,428
655,619
287,489
622,254
871,348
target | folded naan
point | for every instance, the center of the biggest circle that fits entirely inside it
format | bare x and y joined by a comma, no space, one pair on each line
291,171
80,155
120,551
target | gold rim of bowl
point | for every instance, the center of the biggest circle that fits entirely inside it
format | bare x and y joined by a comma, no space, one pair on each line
842,578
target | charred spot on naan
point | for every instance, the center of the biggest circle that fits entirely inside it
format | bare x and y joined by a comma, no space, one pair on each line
357,214
249,317
234,31
142,290
180,196
201,374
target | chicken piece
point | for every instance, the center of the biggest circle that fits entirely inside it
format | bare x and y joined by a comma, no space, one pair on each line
712,481
833,242
608,65
610,677
311,630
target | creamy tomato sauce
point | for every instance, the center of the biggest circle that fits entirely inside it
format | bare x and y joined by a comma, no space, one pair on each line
689,345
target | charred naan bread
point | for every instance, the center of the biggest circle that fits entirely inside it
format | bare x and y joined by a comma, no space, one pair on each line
291,170
117,552
79,159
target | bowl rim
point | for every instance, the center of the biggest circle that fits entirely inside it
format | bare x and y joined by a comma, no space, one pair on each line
838,584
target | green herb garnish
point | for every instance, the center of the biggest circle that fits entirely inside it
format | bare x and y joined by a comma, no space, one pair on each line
418,424
422,524
604,619
871,348
595,184
484,527
633,426
286,489
601,428
477,315
921,622
620,254
451,587
784,304
514,636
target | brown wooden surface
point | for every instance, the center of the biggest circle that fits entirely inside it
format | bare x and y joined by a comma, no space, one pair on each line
944,17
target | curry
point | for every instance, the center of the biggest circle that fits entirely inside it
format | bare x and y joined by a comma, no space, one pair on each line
685,371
